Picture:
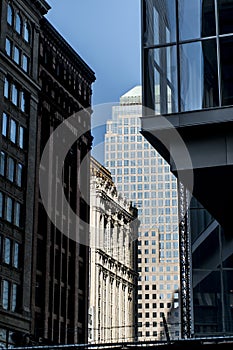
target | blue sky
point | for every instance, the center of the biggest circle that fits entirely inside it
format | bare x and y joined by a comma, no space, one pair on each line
106,34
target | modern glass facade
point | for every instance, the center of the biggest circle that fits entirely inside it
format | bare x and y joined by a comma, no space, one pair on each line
143,176
187,66
187,50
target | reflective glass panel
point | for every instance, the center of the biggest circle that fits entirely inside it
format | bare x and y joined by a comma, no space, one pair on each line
160,22
196,19
18,24
226,52
17,214
9,208
4,124
14,297
1,204
2,163
228,299
16,55
7,251
11,169
6,88
5,295
225,14
25,63
23,101
21,137
26,33
9,15
19,174
163,79
8,47
198,75
207,301
14,97
13,131
16,255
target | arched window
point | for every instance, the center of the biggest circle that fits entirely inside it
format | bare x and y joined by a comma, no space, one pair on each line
18,24
26,32
9,15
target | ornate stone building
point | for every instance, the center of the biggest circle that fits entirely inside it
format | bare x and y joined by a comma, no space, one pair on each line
113,261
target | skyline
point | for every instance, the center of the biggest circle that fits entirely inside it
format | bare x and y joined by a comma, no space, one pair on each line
107,36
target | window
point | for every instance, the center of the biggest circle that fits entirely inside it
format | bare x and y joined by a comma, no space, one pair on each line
16,56
11,169
16,255
25,63
9,15
23,102
8,47
15,95
5,295
6,88
19,174
13,131
21,137
4,124
7,251
17,214
1,204
18,24
2,163
9,209
26,32
14,297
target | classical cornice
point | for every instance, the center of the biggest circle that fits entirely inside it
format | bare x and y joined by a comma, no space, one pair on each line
66,49
41,5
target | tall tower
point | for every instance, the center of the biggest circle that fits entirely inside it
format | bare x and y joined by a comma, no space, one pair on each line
19,91
200,111
143,176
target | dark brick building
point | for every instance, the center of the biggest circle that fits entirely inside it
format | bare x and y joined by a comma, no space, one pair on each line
43,274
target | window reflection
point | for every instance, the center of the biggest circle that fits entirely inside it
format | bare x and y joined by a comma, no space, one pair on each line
196,19
225,12
163,82
199,75
226,52
9,15
161,22
5,295
26,33
18,24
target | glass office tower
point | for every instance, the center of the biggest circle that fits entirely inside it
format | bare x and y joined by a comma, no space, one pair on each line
143,176
187,49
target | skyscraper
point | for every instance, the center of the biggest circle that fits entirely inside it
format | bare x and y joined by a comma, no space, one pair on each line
143,176
43,271
19,94
187,48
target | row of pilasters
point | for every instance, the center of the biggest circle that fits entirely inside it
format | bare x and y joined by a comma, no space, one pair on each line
111,235
114,312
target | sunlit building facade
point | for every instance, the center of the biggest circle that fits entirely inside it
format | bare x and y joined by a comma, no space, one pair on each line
143,176
113,262
187,48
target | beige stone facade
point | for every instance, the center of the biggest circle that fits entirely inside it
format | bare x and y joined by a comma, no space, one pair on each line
113,259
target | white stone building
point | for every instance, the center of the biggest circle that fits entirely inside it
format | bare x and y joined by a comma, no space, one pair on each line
113,261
